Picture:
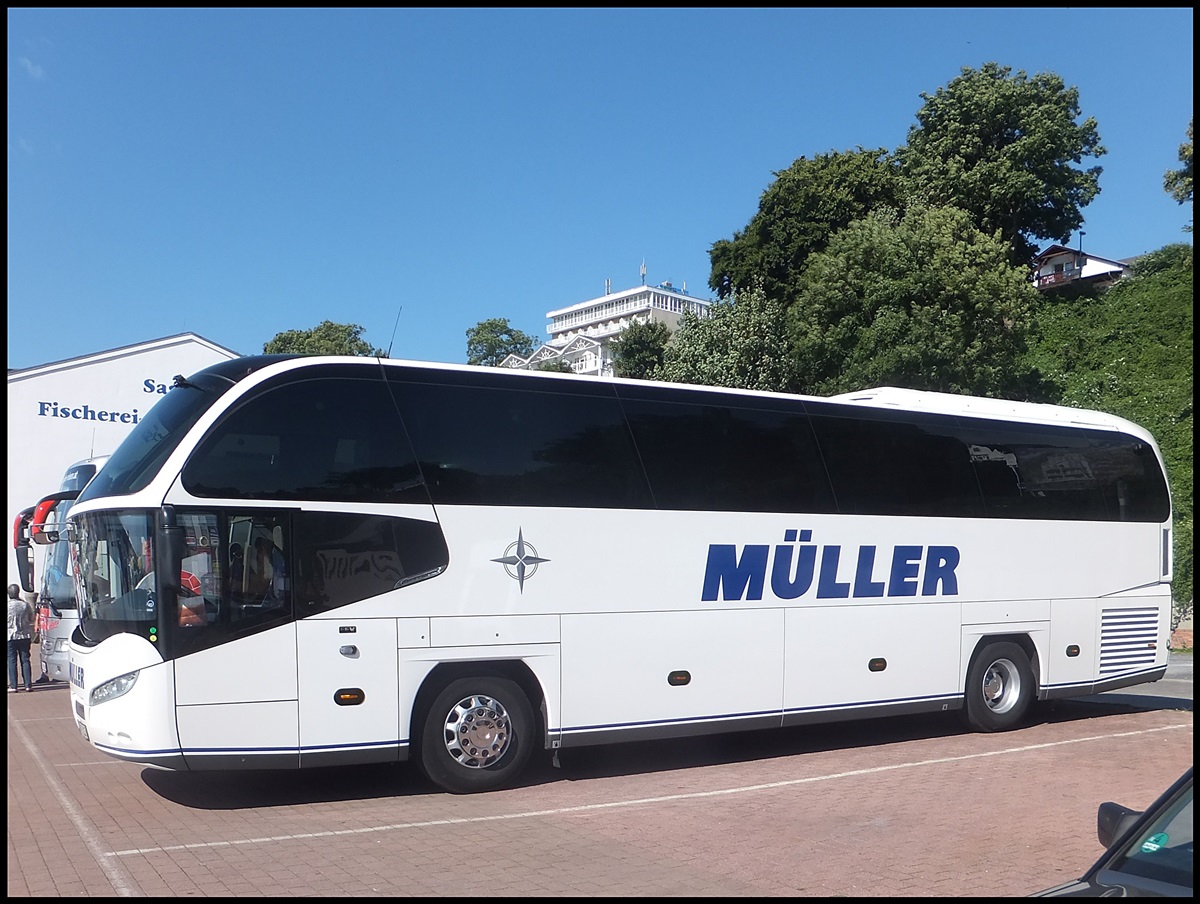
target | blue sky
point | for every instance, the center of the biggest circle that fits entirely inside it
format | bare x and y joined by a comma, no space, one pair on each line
237,173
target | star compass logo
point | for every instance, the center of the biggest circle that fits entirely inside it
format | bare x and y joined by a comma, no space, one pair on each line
520,560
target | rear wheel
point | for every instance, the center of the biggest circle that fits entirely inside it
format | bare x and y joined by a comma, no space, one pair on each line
999,688
477,735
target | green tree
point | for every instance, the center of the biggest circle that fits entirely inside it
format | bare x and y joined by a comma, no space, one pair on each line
326,338
555,366
806,203
1004,147
924,301
638,350
1178,183
491,341
1128,351
741,343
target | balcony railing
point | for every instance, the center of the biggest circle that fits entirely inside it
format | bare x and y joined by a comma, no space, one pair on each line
1054,279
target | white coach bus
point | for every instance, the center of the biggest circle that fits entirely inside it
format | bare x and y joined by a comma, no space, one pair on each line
306,561
57,613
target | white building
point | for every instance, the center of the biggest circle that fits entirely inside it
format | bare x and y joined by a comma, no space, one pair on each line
580,334
1059,266
66,411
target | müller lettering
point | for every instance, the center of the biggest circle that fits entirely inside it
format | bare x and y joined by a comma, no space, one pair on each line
730,576
86,413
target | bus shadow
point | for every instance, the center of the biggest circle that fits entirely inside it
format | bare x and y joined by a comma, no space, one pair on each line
610,761
253,789
1121,703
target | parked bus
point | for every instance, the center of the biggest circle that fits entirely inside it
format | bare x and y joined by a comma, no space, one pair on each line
299,561
57,613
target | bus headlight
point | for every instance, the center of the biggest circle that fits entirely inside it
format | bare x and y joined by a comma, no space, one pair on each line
61,644
111,690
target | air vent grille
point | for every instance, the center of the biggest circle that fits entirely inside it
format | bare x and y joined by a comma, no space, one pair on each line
1128,639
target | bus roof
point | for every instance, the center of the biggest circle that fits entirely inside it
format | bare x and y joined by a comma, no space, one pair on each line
878,397
949,403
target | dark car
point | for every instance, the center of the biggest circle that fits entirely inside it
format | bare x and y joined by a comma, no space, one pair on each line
1148,853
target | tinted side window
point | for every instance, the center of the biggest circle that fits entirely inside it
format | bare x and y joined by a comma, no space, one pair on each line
512,445
235,577
342,558
882,464
706,457
1034,471
335,439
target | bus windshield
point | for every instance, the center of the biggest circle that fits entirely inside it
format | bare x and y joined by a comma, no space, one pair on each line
140,456
58,584
114,573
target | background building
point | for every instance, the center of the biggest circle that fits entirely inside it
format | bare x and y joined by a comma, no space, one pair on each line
1059,267
580,334
63,412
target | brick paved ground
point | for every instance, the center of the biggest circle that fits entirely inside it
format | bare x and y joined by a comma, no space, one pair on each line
904,807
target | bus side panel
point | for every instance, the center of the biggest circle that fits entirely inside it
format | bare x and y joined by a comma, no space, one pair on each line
258,674
261,667
1108,643
1074,626
871,655
348,689
656,670
245,736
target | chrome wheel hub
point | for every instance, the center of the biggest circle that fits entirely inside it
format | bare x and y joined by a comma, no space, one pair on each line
477,731
1001,686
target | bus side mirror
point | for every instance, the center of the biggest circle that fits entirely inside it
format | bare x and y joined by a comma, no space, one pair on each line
23,548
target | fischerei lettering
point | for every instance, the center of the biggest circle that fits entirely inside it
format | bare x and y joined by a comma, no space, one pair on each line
798,562
86,412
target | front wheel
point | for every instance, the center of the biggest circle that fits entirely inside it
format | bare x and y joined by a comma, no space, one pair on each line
999,688
477,735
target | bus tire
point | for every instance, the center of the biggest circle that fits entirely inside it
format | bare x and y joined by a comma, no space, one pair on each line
477,735
1000,688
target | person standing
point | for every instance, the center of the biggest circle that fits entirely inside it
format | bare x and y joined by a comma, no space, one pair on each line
20,635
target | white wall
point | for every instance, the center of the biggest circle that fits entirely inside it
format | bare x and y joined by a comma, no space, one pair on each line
62,412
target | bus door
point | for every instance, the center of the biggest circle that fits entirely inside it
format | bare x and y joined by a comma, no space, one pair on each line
349,693
235,640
